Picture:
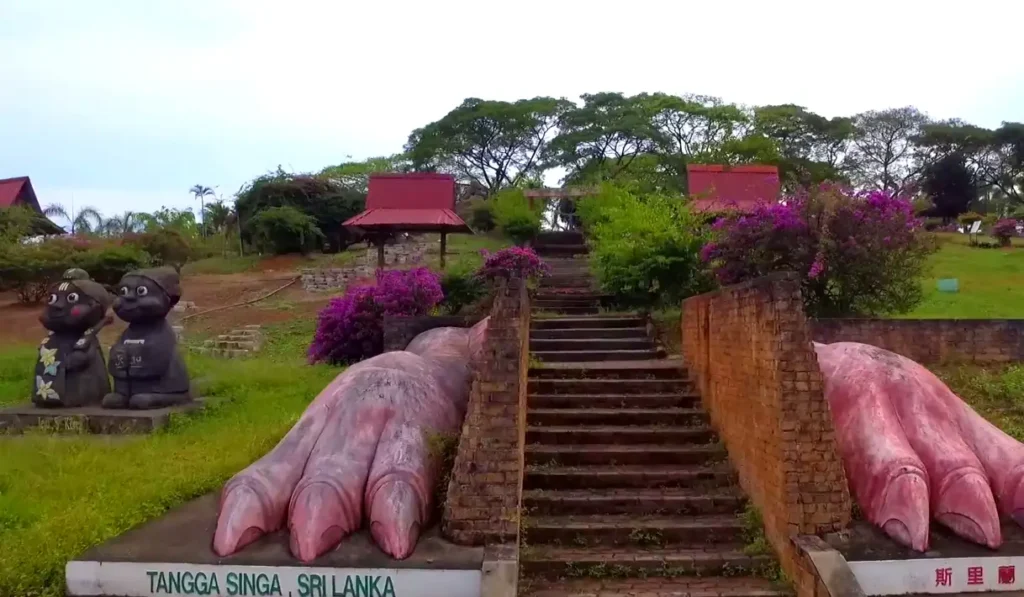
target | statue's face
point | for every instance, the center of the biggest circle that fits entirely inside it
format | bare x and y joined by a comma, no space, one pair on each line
68,309
141,299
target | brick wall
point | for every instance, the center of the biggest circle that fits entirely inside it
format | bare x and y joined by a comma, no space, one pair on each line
486,484
748,347
931,341
399,331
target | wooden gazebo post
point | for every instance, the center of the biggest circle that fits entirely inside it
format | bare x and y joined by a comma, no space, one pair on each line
444,245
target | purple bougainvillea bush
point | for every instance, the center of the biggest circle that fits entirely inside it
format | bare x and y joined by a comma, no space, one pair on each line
858,253
350,327
1004,230
518,262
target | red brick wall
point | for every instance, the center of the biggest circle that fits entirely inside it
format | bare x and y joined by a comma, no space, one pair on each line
748,347
485,490
930,341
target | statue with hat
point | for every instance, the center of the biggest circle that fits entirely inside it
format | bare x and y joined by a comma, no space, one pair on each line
147,369
70,370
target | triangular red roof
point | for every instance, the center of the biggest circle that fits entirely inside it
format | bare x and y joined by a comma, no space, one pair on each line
10,189
720,188
418,201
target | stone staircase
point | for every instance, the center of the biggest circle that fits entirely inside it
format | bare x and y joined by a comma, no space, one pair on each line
237,343
626,489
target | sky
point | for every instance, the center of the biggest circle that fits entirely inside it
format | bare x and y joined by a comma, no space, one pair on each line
126,104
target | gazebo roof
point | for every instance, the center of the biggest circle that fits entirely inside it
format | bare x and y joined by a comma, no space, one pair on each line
415,202
720,188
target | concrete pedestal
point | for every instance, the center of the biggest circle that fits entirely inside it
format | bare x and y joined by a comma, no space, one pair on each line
90,419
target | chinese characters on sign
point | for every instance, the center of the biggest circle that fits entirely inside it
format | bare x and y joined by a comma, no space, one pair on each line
975,576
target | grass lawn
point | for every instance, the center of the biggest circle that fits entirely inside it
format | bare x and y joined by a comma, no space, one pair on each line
996,393
59,495
991,282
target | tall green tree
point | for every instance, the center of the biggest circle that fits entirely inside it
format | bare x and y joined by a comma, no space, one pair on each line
603,137
355,175
694,127
201,192
884,153
950,185
811,148
995,157
217,216
493,143
87,220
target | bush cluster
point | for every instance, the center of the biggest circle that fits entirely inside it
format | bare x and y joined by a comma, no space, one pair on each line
350,327
645,249
858,253
514,217
1004,230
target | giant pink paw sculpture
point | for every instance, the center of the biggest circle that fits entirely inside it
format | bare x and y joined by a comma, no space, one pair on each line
361,447
913,449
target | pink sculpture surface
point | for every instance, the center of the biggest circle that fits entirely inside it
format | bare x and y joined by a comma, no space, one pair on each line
913,449
361,447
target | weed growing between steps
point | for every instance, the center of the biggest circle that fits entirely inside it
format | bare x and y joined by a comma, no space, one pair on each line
757,544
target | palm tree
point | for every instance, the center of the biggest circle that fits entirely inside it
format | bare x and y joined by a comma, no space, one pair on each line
200,192
124,224
88,220
217,215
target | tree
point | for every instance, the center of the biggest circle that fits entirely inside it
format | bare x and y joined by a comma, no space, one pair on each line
884,153
87,220
811,148
127,223
217,216
494,143
1003,165
201,193
949,183
694,127
600,139
356,175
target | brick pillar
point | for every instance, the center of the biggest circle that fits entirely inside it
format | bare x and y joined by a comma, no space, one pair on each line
484,493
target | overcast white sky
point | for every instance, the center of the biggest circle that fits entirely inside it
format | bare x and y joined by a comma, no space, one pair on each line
124,105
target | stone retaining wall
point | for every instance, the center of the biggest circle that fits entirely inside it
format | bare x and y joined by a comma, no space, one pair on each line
399,331
932,341
399,254
748,348
336,278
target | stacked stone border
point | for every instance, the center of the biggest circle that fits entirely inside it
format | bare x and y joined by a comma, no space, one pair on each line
749,350
399,331
932,341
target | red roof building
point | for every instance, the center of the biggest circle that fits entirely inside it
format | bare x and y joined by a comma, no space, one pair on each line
414,202
716,188
19,191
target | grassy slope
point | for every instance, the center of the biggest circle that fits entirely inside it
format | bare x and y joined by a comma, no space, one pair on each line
997,394
991,282
62,494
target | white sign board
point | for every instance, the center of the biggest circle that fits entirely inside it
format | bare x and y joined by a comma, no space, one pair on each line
945,575
976,227
133,579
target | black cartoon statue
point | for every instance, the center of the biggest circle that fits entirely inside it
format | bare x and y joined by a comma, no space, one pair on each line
147,369
70,370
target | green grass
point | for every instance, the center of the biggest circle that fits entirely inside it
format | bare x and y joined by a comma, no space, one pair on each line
61,494
996,393
991,282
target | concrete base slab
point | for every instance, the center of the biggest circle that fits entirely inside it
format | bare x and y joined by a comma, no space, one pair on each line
90,419
173,555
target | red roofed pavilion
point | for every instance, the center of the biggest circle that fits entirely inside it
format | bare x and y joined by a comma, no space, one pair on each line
717,188
19,191
415,202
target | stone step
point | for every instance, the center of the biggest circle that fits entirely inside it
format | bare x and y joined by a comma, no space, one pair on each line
693,476
539,385
231,344
697,586
619,435
612,370
560,250
622,402
591,344
677,501
700,560
583,282
623,529
608,455
584,356
550,300
567,310
603,321
588,333
616,416
224,353
558,236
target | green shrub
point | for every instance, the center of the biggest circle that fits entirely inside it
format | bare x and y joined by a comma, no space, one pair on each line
30,269
966,219
281,230
645,250
166,246
461,288
515,218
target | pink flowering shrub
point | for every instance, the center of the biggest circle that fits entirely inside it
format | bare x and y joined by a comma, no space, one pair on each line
1004,230
350,327
513,262
858,253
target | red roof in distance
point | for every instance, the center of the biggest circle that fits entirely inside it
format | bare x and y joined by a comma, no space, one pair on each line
720,188
417,201
10,188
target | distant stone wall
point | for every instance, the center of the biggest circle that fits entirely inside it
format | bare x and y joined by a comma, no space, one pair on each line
400,254
931,341
336,278
399,331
